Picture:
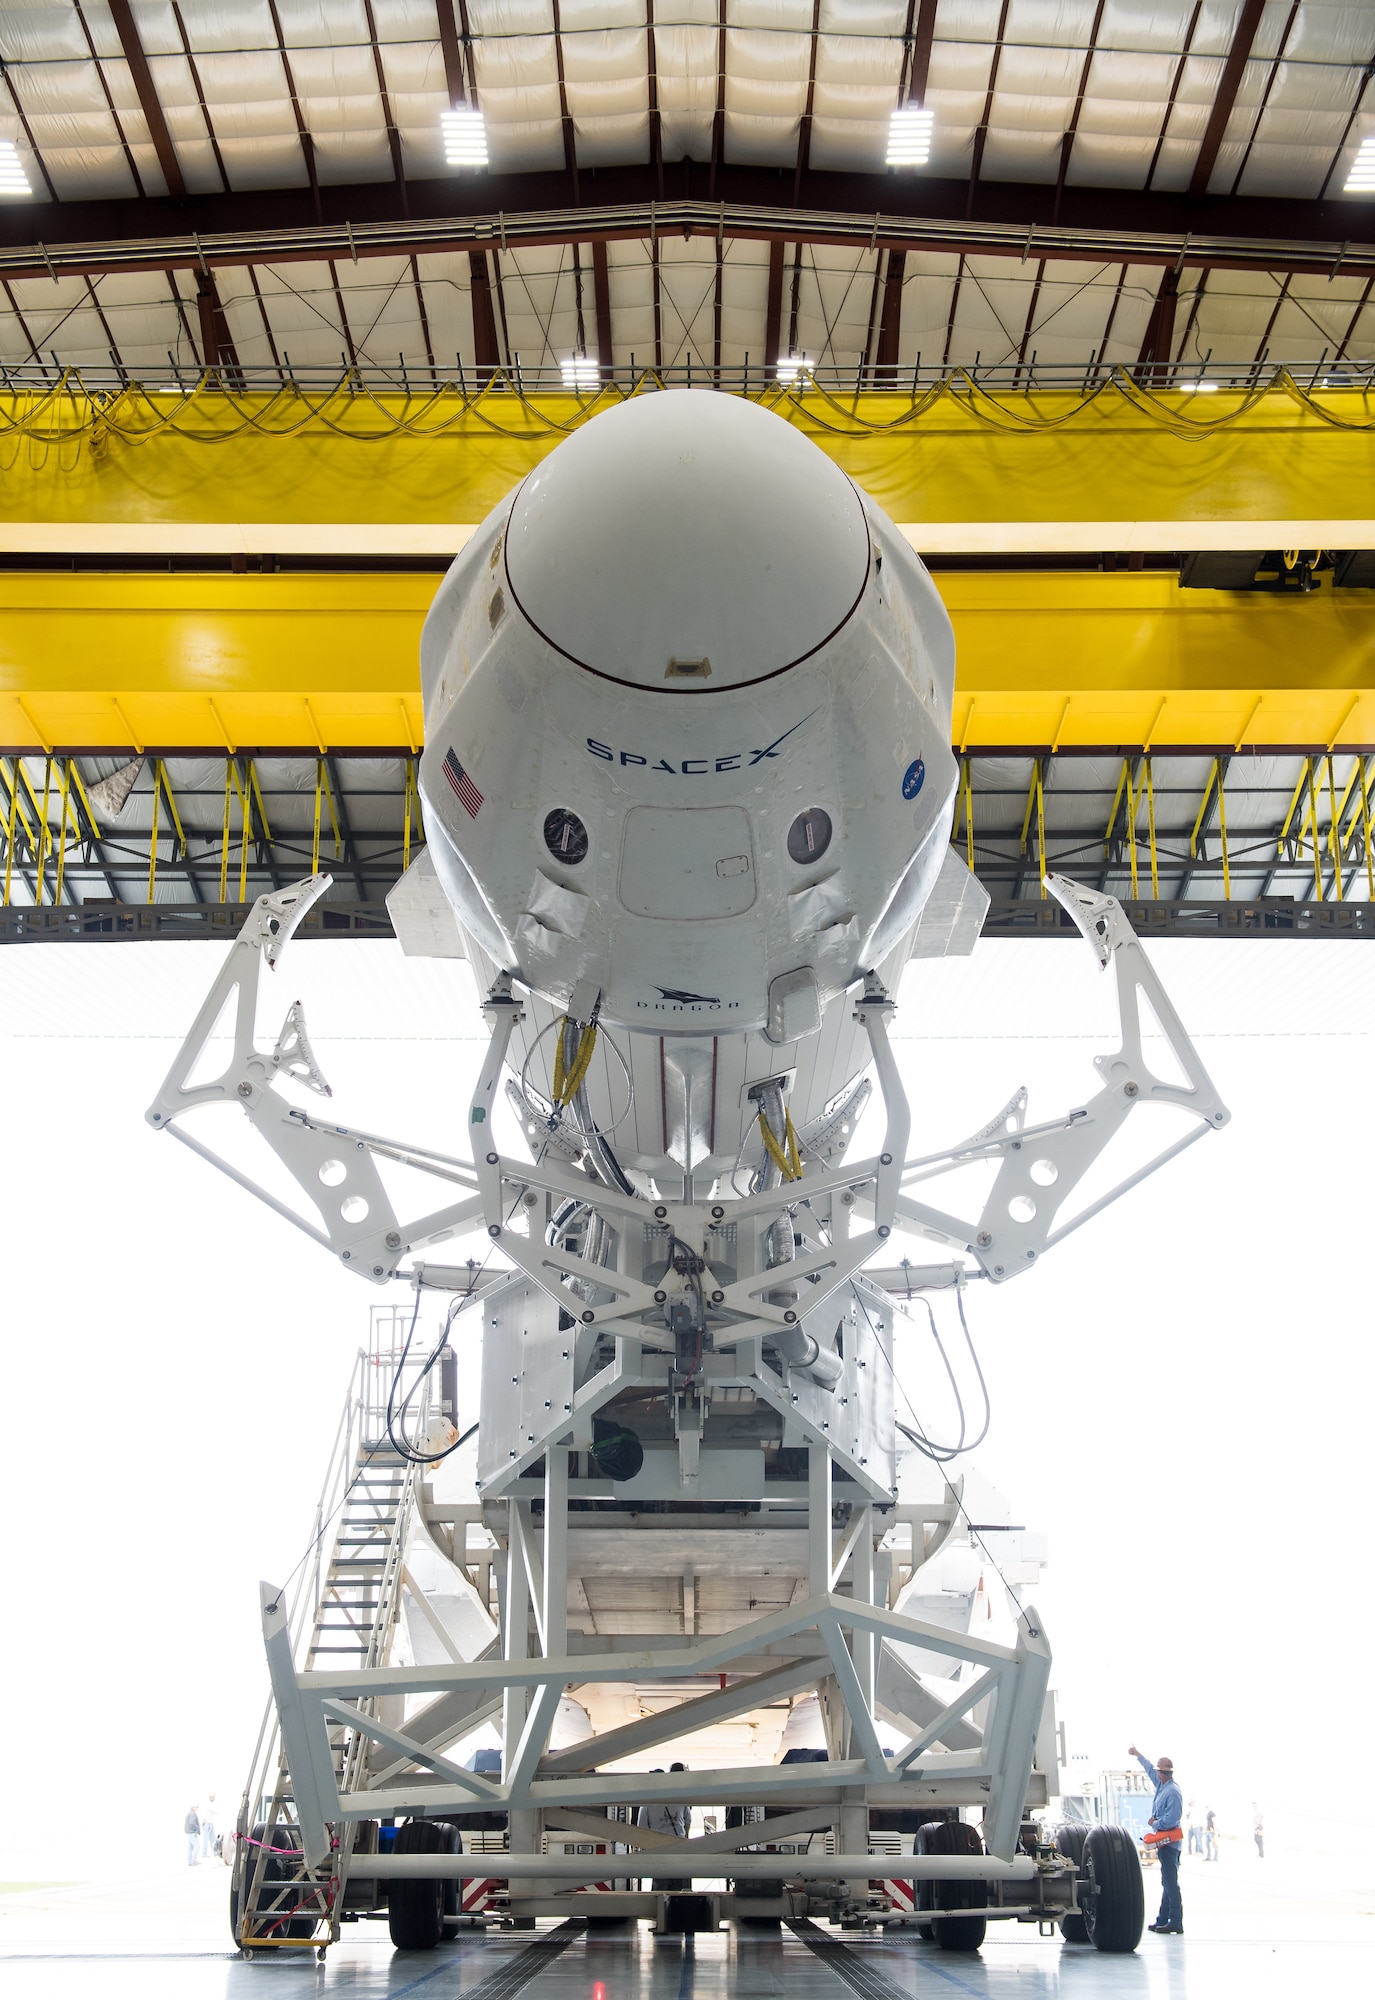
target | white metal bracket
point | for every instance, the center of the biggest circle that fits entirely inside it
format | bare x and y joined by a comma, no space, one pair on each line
1040,1166
333,1166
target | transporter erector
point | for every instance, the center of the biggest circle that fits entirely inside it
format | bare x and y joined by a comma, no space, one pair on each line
688,793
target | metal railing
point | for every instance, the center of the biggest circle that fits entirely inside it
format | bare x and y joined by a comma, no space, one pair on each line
99,385
382,1371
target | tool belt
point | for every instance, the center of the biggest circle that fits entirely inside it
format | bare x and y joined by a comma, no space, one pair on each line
1167,1834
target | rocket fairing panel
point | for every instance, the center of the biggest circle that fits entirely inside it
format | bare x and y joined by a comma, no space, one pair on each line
624,821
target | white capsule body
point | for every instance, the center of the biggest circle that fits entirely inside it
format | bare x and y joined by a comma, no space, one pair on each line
687,697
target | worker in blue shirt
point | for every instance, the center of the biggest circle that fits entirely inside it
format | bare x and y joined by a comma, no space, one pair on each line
1167,1810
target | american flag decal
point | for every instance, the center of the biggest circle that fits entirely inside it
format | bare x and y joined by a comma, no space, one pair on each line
467,791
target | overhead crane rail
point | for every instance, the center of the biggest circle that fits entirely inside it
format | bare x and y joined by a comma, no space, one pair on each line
628,221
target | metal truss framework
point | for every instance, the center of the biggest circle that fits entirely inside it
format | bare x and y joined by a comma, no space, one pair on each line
878,210
1196,843
353,1734
743,1321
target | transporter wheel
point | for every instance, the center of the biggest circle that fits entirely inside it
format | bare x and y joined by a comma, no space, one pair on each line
1069,1841
1115,1908
954,1933
416,1909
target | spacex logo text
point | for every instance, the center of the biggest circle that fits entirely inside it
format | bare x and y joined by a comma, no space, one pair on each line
694,767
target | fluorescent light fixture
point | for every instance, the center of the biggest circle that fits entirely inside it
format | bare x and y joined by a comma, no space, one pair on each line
909,136
13,179
465,137
579,372
1198,388
791,366
1361,179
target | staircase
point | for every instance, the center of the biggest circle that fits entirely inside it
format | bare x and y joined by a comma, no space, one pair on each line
356,1614
344,1615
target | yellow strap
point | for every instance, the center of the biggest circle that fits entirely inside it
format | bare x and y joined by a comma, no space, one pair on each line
567,1083
787,1161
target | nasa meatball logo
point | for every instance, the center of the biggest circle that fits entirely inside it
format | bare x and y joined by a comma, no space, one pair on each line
913,778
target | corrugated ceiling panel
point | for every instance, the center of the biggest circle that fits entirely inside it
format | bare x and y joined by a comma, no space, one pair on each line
541,318
74,130
1217,24
446,283
321,23
1049,74
835,296
766,90
405,20
744,297
771,14
686,61
856,89
36,34
608,95
876,18
304,314
972,20
1102,161
517,82
609,142
1021,153
632,307
687,288
1334,34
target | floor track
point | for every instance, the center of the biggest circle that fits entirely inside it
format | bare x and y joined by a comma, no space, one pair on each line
515,1974
866,1980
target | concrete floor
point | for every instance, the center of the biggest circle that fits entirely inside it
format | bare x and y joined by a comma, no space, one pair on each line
1263,1932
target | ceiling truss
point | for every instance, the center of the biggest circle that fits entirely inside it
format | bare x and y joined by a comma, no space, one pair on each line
1194,844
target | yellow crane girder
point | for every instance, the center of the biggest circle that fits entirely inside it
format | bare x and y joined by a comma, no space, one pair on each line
1058,660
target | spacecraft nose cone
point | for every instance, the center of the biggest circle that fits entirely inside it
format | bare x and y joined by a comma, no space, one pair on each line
688,541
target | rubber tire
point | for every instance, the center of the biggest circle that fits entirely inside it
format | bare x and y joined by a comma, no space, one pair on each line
955,1933
926,1932
1115,1914
415,1909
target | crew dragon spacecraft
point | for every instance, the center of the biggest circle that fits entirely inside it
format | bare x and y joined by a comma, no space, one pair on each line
688,793
688,789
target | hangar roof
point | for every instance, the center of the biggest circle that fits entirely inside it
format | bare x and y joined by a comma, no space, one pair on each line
1186,121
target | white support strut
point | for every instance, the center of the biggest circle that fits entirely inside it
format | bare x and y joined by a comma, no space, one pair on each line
770,1279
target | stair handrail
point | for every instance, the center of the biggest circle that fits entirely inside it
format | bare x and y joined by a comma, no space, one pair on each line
363,1427
303,1600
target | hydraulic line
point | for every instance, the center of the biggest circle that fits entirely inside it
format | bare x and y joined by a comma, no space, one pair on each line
784,1155
573,1053
568,1076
